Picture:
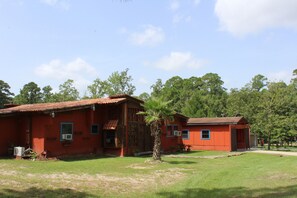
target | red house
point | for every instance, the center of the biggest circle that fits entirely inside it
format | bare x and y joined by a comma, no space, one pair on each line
225,133
104,125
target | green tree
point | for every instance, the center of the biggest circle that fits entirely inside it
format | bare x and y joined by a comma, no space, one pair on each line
144,96
172,90
120,83
294,78
157,88
98,89
207,97
276,113
29,94
5,94
258,83
67,92
47,95
157,112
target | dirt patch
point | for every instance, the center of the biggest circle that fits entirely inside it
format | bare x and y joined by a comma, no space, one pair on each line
281,176
114,183
8,172
141,166
204,157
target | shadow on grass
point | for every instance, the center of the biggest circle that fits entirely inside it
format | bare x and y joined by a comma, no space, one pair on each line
38,192
84,157
288,191
180,162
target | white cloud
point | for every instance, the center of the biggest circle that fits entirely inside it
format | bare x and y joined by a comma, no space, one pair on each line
179,60
150,36
179,18
280,76
143,81
174,5
252,16
64,4
78,70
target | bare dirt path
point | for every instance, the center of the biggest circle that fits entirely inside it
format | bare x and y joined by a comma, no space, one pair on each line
283,153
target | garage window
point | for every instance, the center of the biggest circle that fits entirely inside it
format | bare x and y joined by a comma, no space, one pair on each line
205,134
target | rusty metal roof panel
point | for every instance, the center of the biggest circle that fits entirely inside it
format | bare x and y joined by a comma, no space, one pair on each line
60,105
216,121
110,125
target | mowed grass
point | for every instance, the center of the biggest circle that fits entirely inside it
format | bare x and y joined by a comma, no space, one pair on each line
247,175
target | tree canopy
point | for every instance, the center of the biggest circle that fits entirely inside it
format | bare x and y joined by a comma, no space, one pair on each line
5,94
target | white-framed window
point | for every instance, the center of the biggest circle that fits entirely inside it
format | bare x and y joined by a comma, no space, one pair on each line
186,134
66,131
170,130
205,134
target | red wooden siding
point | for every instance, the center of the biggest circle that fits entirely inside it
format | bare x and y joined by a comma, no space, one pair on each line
8,134
172,143
220,138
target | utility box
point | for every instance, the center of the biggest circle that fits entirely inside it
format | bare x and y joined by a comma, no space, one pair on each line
18,151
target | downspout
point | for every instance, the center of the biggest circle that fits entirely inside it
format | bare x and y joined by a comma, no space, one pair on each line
29,141
230,132
126,127
124,146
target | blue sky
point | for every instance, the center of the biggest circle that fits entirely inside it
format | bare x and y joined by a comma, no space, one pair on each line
50,41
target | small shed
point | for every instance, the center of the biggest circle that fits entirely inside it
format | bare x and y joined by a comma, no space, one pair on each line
222,133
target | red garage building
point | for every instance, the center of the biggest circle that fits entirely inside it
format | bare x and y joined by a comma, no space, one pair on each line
224,133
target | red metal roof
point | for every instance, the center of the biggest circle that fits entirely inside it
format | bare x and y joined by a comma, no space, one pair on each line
60,105
111,125
216,121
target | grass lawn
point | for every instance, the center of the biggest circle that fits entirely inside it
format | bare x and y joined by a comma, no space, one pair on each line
247,175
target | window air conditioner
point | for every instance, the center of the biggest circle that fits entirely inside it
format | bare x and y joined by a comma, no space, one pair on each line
67,136
177,133
18,151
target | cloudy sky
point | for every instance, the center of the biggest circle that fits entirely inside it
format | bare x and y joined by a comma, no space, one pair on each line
50,41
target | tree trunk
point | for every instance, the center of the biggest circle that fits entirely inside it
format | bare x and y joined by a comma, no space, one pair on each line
157,143
268,139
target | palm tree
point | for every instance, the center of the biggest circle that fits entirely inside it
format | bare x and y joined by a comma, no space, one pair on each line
157,112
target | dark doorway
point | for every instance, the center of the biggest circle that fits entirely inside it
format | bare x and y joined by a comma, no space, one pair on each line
241,139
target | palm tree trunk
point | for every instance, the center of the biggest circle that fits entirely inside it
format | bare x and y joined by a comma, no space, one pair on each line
157,143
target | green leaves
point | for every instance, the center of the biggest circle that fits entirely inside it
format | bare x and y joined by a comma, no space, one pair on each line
194,97
30,94
157,110
117,83
5,94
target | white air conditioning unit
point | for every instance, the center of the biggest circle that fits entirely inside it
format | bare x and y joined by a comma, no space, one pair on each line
177,133
18,151
66,136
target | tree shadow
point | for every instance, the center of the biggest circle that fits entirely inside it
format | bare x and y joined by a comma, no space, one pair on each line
44,193
180,162
83,157
242,192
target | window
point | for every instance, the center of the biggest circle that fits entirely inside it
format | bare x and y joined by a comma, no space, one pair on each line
185,134
66,131
205,134
95,129
170,130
